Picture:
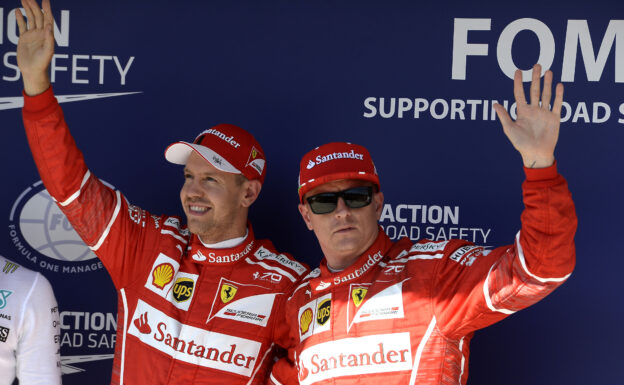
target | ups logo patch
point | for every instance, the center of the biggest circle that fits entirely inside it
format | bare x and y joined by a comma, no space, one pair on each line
183,289
323,312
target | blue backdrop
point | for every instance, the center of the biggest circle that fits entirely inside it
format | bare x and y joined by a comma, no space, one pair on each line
412,81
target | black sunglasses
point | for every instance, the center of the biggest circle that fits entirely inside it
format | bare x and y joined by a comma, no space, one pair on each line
356,197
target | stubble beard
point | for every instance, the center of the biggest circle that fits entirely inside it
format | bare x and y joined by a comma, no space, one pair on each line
201,228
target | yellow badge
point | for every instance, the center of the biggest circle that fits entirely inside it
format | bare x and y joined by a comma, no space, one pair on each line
183,289
162,275
358,295
323,312
227,292
305,320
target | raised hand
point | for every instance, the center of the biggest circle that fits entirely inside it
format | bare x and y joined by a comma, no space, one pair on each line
36,45
535,131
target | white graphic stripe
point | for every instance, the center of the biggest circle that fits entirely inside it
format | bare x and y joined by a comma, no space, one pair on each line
486,294
67,361
274,380
77,193
125,335
110,224
524,266
283,272
258,366
463,360
421,347
176,236
13,102
418,256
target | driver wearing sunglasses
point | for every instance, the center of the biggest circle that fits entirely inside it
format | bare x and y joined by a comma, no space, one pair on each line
383,312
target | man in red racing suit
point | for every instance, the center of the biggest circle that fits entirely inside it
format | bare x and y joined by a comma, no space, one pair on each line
194,307
378,312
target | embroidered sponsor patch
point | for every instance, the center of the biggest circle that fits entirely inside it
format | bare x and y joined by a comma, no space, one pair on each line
355,357
4,333
167,281
191,344
228,292
323,313
357,295
305,319
183,289
263,253
428,247
162,275
9,267
386,304
467,255
244,303
4,294
268,277
314,317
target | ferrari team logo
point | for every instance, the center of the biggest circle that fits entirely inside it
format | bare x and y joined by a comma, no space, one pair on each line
256,160
358,294
228,292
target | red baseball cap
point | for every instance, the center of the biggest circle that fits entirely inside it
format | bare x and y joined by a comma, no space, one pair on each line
335,161
225,146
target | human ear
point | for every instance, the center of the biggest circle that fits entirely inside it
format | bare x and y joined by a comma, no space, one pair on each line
250,192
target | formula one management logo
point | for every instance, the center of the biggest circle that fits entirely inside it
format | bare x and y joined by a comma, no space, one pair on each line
44,237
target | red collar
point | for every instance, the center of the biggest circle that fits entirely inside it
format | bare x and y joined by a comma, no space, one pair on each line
364,265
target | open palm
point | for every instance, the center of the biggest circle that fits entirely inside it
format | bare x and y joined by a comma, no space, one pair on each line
535,131
36,43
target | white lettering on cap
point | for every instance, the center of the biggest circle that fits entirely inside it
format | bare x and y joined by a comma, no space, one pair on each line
220,135
333,156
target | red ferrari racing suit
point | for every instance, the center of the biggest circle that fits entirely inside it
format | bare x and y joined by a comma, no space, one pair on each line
405,313
187,314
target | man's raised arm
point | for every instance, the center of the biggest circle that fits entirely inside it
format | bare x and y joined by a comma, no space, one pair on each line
36,45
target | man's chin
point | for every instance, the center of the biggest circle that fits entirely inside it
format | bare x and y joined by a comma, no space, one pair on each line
196,228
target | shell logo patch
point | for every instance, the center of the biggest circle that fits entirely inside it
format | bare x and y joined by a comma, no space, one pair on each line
358,295
162,275
305,320
228,292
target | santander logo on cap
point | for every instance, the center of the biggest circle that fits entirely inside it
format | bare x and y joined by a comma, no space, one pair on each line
334,161
333,156
220,135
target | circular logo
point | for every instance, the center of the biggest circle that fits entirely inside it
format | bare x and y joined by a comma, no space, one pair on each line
183,289
42,234
323,312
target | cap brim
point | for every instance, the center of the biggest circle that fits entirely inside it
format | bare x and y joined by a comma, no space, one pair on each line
309,185
179,152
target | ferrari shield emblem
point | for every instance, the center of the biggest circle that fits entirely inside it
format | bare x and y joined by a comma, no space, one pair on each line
227,292
358,294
